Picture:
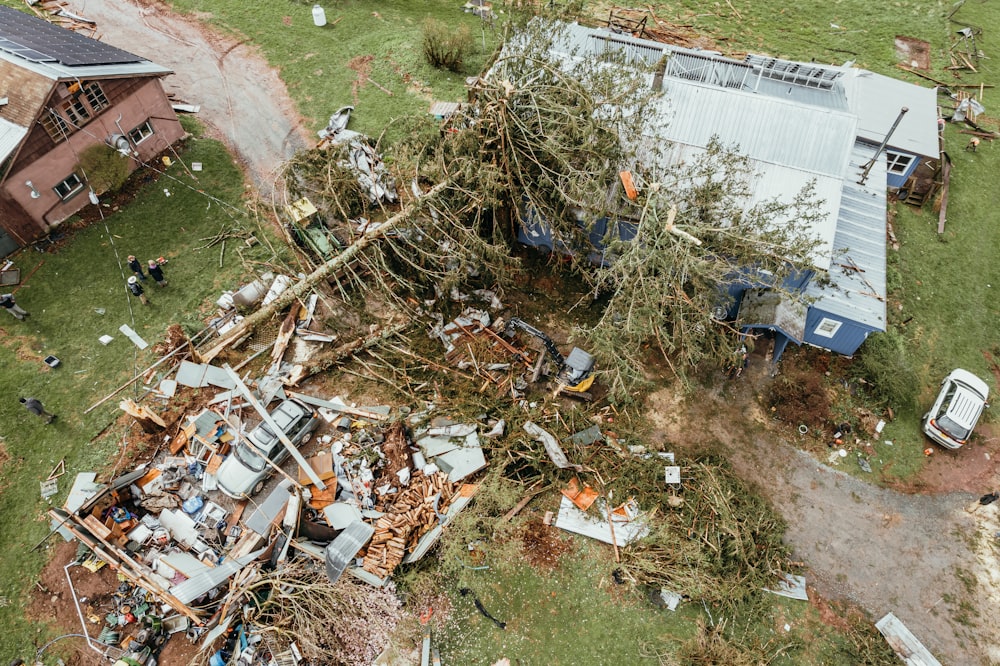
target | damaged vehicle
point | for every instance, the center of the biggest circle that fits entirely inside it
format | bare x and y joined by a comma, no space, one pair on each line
246,469
956,411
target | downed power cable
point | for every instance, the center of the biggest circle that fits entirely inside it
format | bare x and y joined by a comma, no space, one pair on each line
479,607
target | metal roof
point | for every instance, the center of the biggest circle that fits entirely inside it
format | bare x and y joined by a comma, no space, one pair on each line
877,99
857,291
11,136
767,129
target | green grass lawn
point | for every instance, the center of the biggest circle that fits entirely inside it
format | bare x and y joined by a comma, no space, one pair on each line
320,65
64,289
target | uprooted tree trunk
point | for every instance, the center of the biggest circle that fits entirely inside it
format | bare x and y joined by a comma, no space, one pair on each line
249,324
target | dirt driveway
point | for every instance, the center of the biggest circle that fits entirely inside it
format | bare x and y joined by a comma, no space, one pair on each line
243,101
924,557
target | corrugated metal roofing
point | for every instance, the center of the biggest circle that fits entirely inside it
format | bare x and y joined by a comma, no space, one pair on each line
211,578
781,183
858,295
11,136
767,129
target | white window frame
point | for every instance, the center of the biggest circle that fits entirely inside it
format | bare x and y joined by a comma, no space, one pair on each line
72,185
827,327
141,132
897,163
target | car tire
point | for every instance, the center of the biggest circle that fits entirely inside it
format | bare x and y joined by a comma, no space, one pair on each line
305,438
259,486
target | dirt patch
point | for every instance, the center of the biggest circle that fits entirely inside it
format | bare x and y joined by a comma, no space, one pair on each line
363,66
542,545
913,52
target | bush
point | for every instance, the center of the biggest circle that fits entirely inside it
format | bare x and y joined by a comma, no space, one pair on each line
885,366
105,168
446,45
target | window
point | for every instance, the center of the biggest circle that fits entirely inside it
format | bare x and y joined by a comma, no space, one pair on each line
68,187
140,133
76,111
828,327
55,125
95,97
897,162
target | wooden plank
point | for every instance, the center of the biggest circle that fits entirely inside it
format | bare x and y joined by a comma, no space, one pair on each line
906,646
945,180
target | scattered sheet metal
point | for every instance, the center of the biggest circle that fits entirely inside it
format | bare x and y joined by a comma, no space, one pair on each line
552,447
197,375
211,578
906,646
791,586
266,512
342,550
133,336
571,519
367,165
591,435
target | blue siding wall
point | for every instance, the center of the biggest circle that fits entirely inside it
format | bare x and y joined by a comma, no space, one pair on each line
899,179
845,341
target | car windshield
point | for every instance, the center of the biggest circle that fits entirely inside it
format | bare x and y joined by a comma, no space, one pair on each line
250,458
953,429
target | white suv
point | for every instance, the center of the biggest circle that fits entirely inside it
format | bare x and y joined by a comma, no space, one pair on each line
957,409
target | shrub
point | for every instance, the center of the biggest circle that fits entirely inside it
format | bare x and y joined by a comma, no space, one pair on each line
446,45
105,168
885,366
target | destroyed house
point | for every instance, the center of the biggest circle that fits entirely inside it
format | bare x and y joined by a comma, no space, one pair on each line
799,124
61,93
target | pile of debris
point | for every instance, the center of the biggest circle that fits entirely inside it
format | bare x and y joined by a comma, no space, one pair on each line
376,494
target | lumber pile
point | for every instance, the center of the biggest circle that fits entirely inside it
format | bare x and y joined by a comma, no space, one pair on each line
409,515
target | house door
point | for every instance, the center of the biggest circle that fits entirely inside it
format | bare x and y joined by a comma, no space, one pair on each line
7,244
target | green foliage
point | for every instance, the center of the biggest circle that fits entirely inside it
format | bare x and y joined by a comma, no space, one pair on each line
106,168
445,46
885,366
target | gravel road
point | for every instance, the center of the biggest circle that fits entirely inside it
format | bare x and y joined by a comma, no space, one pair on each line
243,101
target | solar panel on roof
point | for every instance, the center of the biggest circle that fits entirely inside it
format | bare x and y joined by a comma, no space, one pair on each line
37,40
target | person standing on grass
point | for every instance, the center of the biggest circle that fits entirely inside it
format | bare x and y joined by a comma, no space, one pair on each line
137,290
136,267
156,272
7,302
35,407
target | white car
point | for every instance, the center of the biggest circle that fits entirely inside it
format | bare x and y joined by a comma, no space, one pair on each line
245,470
957,409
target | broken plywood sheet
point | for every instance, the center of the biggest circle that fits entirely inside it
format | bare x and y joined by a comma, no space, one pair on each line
904,643
573,520
791,586
197,375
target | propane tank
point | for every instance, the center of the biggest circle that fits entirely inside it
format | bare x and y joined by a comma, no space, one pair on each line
319,16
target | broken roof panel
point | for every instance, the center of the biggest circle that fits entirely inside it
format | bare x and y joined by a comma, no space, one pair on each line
10,138
342,550
210,578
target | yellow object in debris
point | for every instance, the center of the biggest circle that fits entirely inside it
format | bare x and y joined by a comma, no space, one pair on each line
92,564
301,211
166,161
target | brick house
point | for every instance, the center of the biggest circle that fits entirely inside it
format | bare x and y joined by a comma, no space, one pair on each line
60,93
